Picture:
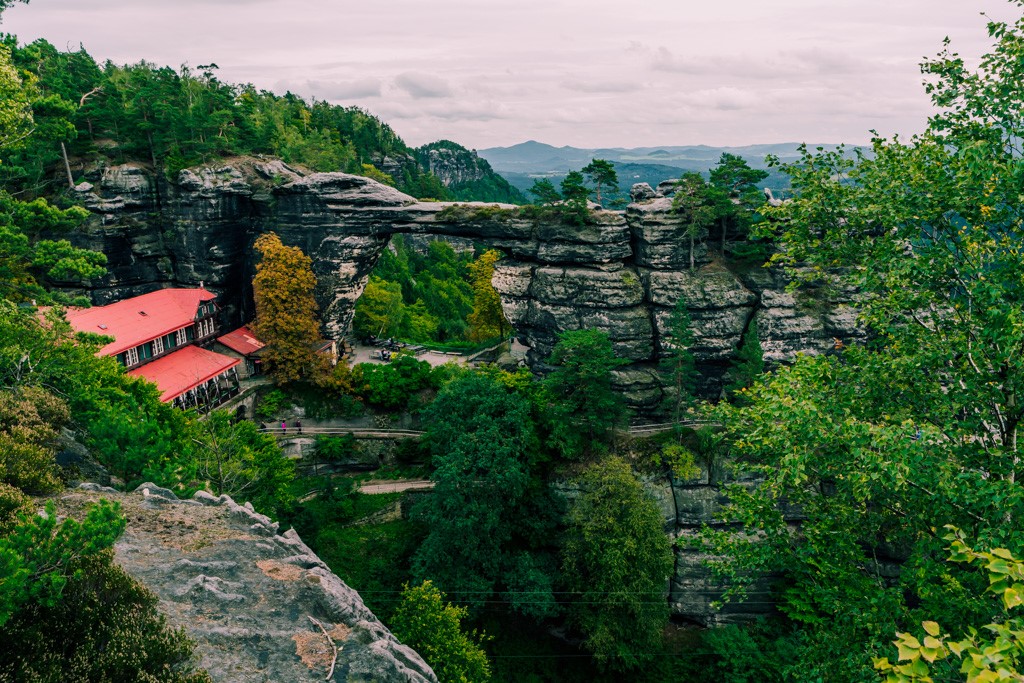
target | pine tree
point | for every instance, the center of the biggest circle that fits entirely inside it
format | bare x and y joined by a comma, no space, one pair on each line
679,366
583,408
602,174
694,204
749,364
574,199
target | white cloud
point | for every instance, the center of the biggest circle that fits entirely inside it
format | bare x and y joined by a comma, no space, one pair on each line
565,72
725,98
344,90
421,85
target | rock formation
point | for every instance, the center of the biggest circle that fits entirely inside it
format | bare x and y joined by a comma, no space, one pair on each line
621,274
465,174
451,165
260,606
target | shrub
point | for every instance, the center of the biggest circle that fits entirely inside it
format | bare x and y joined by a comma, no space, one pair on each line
391,386
271,403
433,627
28,429
105,627
334,448
12,504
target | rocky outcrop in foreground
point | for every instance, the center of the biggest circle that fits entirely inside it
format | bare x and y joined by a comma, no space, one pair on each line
260,605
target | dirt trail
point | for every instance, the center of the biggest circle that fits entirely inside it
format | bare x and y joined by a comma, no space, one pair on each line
395,486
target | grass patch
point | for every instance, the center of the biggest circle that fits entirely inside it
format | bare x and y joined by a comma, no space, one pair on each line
364,505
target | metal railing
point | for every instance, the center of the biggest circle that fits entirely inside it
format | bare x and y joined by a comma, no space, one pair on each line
358,432
639,430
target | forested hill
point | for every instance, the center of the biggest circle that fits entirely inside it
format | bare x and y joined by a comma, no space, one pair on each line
467,176
524,163
173,119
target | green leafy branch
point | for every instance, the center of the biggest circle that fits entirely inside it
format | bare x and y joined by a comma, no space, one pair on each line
991,655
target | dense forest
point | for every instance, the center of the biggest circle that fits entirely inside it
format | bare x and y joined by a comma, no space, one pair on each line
432,295
466,175
876,489
84,112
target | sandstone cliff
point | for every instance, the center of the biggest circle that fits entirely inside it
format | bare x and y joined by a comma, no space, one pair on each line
622,274
465,174
260,605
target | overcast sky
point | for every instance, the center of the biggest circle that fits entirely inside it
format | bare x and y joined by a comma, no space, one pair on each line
588,73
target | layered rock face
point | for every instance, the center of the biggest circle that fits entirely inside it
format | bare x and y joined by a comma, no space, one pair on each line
687,506
622,274
259,605
453,167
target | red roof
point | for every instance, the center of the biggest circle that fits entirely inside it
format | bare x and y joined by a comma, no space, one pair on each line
177,372
140,319
242,340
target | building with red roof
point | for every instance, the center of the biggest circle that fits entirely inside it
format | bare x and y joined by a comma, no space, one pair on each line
191,372
158,336
244,345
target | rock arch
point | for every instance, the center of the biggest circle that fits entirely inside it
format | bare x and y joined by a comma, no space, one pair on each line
622,274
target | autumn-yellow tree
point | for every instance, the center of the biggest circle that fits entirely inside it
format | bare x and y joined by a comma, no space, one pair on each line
287,316
487,319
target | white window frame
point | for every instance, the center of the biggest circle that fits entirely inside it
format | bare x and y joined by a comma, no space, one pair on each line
205,327
158,346
131,357
181,337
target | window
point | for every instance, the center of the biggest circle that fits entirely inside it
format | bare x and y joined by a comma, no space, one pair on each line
145,351
182,337
131,357
204,328
170,341
121,359
158,346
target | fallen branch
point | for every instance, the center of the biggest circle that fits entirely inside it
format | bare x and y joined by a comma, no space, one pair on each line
89,94
330,673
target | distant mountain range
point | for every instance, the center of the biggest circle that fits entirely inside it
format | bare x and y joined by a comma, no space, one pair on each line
522,164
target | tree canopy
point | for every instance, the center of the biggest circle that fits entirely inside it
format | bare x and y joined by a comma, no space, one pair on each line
175,118
602,174
694,203
574,197
545,192
616,561
916,427
287,315
582,408
738,196
487,320
433,627
488,513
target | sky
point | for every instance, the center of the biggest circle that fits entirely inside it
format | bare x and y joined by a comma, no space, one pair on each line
586,73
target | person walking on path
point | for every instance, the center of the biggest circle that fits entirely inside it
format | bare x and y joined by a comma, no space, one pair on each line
284,427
